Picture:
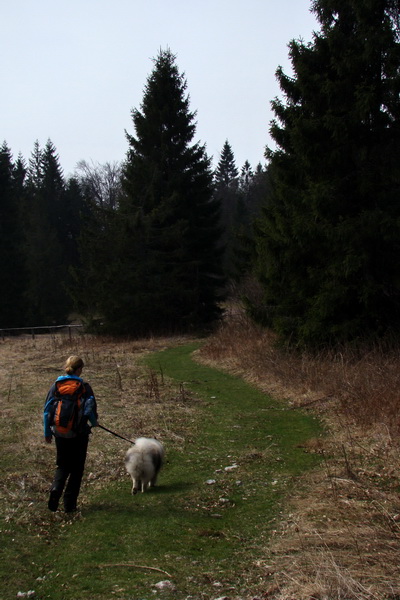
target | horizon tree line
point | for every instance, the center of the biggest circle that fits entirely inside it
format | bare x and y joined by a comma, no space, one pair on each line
149,246
137,245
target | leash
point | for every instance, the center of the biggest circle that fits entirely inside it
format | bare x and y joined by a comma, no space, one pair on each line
116,434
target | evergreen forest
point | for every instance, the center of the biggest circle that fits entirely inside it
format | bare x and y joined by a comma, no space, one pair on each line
156,243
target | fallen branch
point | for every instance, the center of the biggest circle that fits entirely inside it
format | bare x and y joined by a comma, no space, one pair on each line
134,567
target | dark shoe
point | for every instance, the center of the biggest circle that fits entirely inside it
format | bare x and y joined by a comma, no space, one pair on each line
53,501
72,511
70,508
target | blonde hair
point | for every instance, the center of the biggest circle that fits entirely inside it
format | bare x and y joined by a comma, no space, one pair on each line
72,364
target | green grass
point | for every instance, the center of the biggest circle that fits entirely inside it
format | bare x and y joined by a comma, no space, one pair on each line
199,533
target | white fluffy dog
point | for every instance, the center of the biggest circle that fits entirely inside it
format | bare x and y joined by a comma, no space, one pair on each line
143,462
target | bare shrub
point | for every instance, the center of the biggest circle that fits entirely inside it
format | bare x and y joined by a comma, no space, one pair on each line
364,381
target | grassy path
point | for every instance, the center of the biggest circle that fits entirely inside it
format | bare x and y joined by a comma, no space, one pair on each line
237,415
207,523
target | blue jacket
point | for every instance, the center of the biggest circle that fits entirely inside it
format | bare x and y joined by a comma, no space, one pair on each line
89,406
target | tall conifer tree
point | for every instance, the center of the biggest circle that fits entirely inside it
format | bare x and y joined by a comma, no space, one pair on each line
329,238
226,173
46,233
226,192
167,274
12,307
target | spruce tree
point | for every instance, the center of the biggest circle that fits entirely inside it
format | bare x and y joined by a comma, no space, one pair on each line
166,276
226,192
73,216
46,233
329,238
226,173
13,277
246,177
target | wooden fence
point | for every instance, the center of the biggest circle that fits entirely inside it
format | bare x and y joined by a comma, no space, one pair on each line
36,330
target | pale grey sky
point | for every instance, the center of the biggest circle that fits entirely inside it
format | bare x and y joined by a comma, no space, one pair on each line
72,71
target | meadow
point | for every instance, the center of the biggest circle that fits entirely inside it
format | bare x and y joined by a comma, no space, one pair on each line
233,456
281,479
339,537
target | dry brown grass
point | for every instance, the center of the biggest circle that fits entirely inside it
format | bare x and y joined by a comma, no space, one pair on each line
340,534
132,401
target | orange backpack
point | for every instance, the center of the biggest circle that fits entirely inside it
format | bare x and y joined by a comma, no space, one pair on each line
66,413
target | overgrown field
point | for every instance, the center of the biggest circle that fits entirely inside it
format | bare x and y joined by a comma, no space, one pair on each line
253,502
340,539
235,457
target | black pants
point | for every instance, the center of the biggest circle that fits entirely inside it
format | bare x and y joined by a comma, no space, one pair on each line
71,456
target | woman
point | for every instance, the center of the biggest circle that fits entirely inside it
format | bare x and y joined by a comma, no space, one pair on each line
71,441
